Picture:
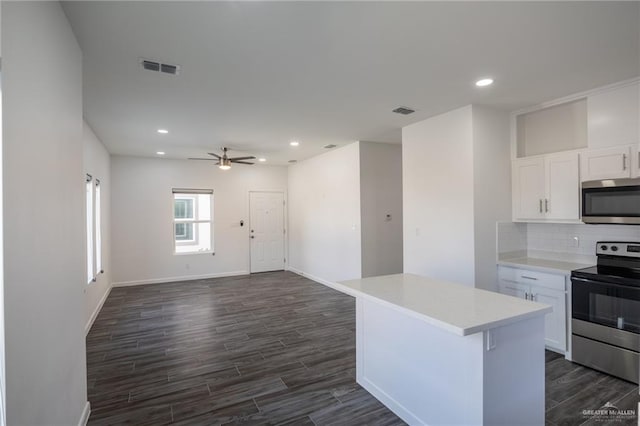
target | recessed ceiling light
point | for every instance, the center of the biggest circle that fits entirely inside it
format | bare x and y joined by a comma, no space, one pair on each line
160,152
294,143
484,82
163,131
262,160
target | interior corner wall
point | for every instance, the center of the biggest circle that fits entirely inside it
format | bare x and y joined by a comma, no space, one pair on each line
43,216
324,216
381,195
97,163
492,188
142,249
3,402
438,190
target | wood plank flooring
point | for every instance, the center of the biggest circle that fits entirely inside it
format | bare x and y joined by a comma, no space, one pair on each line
272,348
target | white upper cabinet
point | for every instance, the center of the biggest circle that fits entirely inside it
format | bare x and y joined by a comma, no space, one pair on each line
614,117
546,188
608,163
528,188
563,187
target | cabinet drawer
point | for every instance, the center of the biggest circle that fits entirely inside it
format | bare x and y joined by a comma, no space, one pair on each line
524,276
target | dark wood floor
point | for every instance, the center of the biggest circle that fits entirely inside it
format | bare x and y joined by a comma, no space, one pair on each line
571,389
271,348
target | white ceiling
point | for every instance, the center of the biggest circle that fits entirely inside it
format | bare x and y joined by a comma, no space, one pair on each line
256,75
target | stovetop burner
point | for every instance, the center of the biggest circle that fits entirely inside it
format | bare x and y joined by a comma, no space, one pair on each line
618,262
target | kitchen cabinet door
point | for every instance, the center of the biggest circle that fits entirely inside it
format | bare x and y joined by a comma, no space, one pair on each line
555,333
635,161
614,117
610,163
528,188
520,291
562,187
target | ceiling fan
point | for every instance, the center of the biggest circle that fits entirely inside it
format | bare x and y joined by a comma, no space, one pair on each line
224,162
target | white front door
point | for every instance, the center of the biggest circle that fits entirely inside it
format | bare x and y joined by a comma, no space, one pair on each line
266,231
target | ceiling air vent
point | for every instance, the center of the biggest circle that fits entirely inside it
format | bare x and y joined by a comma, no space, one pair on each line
330,146
404,110
293,161
169,69
159,67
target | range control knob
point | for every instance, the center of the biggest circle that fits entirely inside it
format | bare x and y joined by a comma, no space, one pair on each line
614,248
603,247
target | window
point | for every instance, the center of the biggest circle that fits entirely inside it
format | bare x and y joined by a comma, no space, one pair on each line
89,202
98,231
192,221
94,228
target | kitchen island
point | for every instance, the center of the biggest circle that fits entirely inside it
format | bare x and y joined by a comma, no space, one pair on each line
439,353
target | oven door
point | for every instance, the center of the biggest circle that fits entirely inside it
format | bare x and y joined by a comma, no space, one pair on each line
606,304
611,201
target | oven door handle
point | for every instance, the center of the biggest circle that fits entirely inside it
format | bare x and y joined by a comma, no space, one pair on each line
583,281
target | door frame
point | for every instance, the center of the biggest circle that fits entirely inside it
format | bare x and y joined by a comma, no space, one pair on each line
285,224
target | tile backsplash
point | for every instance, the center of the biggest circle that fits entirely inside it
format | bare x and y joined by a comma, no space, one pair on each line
576,238
572,239
512,237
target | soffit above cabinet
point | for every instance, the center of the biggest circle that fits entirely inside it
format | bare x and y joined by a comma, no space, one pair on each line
558,128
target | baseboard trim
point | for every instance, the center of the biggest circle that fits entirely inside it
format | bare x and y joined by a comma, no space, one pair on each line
182,278
330,284
97,310
84,418
389,402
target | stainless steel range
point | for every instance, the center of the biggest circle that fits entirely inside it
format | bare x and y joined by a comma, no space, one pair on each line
605,304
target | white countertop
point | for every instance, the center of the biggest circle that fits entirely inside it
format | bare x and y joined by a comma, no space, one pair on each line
456,308
544,265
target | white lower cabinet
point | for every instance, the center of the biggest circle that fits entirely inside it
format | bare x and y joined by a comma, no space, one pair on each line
541,287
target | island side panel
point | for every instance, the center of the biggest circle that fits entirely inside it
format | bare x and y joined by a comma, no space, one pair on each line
424,374
514,374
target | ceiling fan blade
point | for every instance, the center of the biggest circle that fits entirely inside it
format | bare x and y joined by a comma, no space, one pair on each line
240,162
251,157
207,159
215,155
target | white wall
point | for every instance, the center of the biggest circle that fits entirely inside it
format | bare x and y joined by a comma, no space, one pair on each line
324,215
142,214
492,188
438,188
456,181
43,216
381,194
97,163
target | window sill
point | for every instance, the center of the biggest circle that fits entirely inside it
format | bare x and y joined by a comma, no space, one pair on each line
194,252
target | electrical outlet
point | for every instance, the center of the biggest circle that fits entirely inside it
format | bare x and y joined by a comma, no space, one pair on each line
575,242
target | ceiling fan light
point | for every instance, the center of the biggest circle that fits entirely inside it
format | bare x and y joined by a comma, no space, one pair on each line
225,164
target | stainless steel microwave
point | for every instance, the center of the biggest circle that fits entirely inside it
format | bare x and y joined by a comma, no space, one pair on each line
611,201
